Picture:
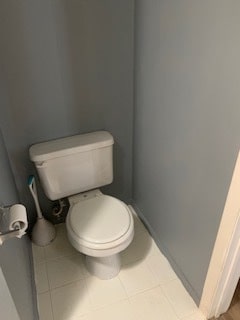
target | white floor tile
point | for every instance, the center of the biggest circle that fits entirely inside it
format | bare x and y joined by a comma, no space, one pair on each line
119,311
44,306
65,270
70,301
60,246
195,316
104,292
146,287
38,254
41,279
141,247
179,298
161,268
153,304
84,317
137,278
61,228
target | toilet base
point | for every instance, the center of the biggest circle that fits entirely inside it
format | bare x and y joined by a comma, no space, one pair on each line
104,268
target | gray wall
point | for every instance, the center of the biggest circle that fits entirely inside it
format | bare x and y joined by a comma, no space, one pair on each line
15,254
187,128
67,68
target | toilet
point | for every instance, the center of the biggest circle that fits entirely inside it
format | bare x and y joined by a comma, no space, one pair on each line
98,225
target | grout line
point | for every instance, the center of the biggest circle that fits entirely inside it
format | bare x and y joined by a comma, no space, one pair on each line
51,305
128,297
192,314
41,264
169,302
68,283
123,285
173,308
93,309
47,275
64,256
143,291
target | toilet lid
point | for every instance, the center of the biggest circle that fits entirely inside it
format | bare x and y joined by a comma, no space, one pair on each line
100,219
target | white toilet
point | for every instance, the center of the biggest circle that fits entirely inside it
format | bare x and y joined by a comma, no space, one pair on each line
98,225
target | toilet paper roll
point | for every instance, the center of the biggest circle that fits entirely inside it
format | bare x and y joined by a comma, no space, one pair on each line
16,218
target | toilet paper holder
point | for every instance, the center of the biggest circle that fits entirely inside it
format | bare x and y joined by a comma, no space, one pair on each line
8,234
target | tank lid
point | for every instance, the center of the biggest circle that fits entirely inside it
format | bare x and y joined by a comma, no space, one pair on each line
70,145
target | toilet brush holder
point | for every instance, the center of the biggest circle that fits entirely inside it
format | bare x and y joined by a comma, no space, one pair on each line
43,232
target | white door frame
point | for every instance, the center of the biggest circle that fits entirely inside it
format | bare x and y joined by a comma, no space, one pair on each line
224,269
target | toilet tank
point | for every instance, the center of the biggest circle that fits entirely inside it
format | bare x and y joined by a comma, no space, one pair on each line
71,165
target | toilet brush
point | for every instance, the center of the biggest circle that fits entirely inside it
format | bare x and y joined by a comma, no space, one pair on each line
43,231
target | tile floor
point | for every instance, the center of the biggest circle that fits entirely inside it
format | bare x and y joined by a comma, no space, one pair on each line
146,287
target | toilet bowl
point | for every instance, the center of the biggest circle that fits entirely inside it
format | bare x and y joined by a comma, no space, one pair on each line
99,226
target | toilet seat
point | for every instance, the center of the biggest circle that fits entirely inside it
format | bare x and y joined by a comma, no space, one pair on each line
99,223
